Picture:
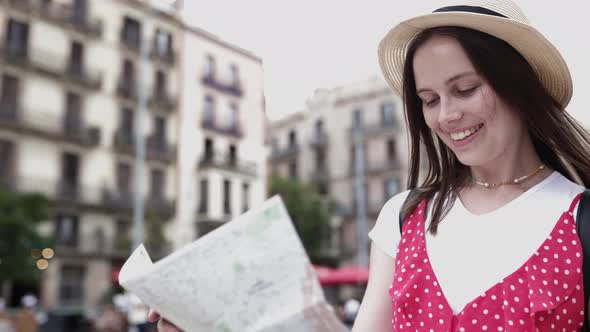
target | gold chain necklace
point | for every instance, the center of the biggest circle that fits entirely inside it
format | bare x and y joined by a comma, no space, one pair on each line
514,181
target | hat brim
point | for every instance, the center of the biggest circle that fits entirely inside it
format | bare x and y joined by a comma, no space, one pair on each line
543,57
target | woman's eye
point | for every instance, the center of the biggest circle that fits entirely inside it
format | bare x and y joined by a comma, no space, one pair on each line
467,92
430,102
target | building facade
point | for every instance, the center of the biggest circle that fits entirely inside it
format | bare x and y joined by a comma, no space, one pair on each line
318,145
74,88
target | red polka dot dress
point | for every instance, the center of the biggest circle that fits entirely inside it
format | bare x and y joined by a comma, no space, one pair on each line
544,294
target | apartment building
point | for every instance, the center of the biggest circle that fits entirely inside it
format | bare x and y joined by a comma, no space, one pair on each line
72,83
223,163
317,144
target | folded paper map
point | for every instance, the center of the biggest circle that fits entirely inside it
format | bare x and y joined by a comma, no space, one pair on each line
252,274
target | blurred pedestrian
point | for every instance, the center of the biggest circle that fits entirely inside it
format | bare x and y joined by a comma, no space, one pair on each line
6,323
110,320
25,319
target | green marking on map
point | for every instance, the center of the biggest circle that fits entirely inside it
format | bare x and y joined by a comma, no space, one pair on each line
263,220
224,328
238,267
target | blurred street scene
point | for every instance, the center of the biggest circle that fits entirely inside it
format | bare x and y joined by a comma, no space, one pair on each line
121,123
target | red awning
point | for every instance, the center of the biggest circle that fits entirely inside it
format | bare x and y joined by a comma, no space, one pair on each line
351,274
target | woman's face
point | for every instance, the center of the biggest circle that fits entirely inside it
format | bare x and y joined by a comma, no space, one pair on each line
460,106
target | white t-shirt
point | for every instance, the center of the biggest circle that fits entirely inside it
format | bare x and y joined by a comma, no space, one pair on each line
470,253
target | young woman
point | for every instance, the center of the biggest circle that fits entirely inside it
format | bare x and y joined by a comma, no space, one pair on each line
489,240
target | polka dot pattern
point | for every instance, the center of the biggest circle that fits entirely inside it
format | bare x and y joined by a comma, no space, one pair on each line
544,294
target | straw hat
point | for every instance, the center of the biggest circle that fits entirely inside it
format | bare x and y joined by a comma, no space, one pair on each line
500,18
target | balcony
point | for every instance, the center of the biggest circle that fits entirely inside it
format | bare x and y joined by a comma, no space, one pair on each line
130,43
232,88
59,192
126,89
122,200
159,150
162,100
63,14
229,130
156,149
52,66
167,57
286,153
319,140
375,130
383,166
49,126
225,162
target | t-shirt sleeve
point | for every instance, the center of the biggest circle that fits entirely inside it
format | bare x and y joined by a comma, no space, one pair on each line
385,233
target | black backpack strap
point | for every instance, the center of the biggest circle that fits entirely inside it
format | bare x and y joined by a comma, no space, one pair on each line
411,195
583,226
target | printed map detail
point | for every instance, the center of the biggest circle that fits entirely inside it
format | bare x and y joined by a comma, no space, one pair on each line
252,274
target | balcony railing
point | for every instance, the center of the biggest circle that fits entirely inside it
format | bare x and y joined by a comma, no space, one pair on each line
49,126
372,130
59,191
285,153
230,130
383,166
51,65
232,88
60,13
168,57
225,162
319,140
158,149
162,100
122,200
321,174
127,89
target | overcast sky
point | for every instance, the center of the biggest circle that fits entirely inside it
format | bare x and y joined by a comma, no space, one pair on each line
310,44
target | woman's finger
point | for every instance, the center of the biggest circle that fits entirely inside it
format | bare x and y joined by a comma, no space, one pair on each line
153,316
166,326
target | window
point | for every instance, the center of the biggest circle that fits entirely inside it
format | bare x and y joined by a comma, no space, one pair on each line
122,238
320,160
234,116
128,71
209,110
227,197
390,150
70,174
71,289
163,43
160,87
357,119
73,116
127,127
274,144
233,155
67,230
160,130
76,59
131,34
209,69
235,77
292,138
319,128
245,197
204,196
124,179
293,171
392,187
208,149
387,117
157,183
17,39
9,96
7,162
80,10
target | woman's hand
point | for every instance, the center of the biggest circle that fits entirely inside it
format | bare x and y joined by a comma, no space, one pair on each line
163,325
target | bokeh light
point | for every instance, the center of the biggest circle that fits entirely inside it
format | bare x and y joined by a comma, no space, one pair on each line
42,264
48,253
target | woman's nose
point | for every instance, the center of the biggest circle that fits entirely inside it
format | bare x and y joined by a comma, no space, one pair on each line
449,112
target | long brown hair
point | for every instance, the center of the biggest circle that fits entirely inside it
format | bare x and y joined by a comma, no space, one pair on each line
559,140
